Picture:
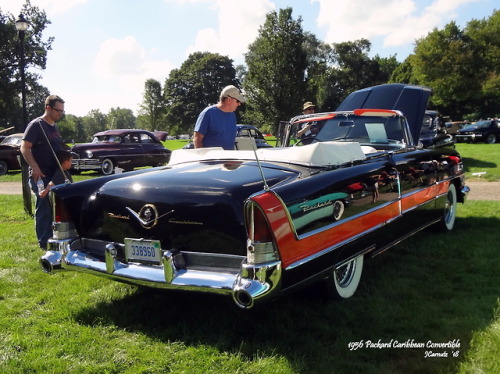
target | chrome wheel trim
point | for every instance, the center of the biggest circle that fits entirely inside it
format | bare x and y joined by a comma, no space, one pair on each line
347,277
107,166
450,209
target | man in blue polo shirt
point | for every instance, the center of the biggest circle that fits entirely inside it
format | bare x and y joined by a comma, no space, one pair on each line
216,124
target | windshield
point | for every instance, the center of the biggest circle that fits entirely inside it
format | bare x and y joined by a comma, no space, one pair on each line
478,125
12,140
106,139
363,129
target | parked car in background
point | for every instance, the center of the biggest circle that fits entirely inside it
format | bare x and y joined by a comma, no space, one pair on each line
453,127
487,131
161,135
255,225
433,130
249,131
10,153
126,149
245,131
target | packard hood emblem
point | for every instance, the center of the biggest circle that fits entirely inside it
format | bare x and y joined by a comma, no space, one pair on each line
148,215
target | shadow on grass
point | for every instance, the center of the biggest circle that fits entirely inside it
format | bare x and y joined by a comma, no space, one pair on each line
474,163
432,288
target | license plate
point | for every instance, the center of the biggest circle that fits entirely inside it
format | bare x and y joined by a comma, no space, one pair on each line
143,250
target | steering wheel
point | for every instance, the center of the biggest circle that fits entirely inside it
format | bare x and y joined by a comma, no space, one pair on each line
306,138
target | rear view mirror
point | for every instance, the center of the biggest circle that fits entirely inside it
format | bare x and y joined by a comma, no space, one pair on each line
346,124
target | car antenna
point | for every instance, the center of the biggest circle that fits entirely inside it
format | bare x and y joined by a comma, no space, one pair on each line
254,148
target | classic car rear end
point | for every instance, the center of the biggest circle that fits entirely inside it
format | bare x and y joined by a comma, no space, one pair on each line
257,224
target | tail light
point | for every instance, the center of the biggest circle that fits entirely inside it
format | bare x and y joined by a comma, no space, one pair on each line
260,243
62,227
60,212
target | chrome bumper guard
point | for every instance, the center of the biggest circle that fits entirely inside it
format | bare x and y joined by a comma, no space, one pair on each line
86,164
465,191
247,284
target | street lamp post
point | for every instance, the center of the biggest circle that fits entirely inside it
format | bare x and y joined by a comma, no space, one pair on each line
21,27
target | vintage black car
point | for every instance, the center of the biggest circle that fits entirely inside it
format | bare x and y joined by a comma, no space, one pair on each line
10,153
487,131
433,130
126,149
257,224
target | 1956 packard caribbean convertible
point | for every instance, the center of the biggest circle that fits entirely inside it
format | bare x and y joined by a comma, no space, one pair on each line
255,224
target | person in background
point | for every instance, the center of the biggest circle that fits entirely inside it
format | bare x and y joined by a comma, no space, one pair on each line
61,176
309,129
41,138
216,124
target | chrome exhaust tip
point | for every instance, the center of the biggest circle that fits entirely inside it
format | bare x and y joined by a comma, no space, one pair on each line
243,299
51,261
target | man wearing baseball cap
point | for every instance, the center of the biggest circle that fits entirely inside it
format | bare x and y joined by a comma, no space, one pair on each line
216,124
309,129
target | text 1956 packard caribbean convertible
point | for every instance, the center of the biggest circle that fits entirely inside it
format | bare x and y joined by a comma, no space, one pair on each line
256,224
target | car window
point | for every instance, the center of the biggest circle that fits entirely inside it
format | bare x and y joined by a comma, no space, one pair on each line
145,138
364,129
134,138
13,140
244,132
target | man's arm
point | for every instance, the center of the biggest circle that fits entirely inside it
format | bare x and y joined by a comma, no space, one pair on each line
304,129
28,156
198,139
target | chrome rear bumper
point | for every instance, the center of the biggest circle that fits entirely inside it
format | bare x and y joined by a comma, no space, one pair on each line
247,283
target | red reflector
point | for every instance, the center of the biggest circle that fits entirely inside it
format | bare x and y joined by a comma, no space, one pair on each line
60,212
261,230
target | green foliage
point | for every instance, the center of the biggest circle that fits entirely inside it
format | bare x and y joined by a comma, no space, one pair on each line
35,55
353,70
152,107
276,60
461,66
445,62
94,122
194,86
120,118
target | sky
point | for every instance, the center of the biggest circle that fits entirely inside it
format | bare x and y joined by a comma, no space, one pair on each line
105,50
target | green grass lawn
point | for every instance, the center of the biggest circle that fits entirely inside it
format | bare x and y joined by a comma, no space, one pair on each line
436,288
480,158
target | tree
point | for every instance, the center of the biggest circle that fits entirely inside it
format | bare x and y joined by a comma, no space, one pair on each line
153,107
195,85
277,62
120,118
68,127
35,52
347,68
461,66
484,36
320,59
445,61
403,73
95,121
